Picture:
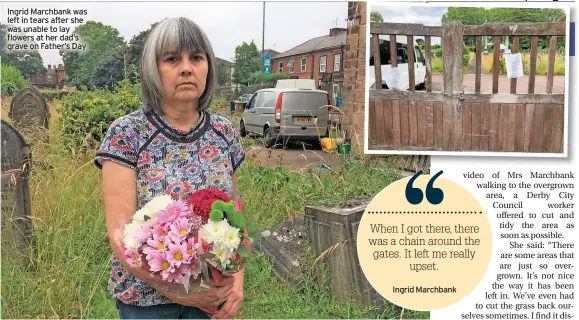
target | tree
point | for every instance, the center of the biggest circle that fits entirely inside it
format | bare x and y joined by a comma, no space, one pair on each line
247,61
376,17
12,79
468,16
222,73
102,41
478,16
528,15
111,70
269,79
135,50
29,62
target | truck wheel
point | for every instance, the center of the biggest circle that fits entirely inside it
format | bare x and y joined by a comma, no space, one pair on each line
268,139
242,131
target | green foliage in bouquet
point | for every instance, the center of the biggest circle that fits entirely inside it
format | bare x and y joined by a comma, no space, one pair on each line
221,209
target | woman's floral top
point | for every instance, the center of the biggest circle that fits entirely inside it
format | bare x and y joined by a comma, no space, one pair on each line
168,161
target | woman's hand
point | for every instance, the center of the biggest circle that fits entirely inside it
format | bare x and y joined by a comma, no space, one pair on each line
233,303
219,292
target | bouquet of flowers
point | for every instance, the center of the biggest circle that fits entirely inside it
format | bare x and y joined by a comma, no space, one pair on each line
183,239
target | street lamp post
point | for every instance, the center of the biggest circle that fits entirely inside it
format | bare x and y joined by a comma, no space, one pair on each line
263,44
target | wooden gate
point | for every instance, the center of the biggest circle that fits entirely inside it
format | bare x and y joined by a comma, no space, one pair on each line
452,120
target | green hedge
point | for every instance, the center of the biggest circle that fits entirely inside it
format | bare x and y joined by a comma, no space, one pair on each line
11,80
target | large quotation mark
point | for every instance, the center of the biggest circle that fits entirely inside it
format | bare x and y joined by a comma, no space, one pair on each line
415,195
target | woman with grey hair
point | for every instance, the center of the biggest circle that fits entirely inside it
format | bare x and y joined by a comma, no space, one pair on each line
172,145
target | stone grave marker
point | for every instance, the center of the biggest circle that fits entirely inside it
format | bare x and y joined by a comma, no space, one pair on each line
332,232
28,109
282,244
15,167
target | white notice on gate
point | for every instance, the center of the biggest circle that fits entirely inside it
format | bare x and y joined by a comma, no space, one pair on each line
514,65
394,78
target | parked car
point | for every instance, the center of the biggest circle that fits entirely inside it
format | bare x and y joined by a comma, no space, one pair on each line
278,115
402,57
244,97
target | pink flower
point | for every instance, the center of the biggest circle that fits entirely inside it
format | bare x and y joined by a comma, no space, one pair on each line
159,262
178,254
157,244
196,222
175,276
194,268
175,210
160,229
134,258
192,247
179,229
146,231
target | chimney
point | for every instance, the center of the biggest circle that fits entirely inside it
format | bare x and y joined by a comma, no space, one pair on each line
49,66
336,31
60,66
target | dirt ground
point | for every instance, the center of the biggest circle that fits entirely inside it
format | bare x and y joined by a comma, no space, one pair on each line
295,155
504,83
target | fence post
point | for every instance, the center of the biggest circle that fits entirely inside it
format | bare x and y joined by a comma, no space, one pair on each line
452,47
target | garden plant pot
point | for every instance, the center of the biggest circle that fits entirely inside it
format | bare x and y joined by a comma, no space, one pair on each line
329,144
344,148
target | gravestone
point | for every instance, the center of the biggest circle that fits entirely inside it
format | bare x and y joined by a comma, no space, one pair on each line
16,226
333,232
282,244
28,109
415,163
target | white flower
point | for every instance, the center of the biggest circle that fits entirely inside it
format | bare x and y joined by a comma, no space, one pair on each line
230,238
213,231
223,254
139,216
157,204
130,236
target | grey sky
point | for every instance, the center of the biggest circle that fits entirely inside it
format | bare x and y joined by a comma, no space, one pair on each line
227,24
427,15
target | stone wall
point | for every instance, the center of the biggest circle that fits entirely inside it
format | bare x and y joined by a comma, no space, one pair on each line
355,74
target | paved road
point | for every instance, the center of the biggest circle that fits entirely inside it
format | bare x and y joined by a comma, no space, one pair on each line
504,83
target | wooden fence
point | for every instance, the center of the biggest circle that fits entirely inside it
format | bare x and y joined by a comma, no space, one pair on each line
456,121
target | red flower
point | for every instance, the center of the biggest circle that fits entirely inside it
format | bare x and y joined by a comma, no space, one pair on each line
200,202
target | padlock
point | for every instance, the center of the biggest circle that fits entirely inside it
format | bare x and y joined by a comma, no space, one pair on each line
461,97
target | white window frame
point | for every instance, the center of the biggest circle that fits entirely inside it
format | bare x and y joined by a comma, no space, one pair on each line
304,66
280,67
337,58
325,59
291,66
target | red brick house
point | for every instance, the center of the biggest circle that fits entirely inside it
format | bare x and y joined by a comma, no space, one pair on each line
53,78
321,59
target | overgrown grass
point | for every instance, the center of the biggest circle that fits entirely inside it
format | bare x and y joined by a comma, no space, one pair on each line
437,66
542,64
285,193
72,256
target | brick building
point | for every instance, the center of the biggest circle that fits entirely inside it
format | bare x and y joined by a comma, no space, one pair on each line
321,59
53,78
355,74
